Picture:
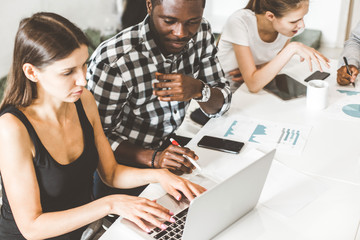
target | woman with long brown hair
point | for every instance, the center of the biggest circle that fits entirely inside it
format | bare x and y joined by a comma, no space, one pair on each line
52,141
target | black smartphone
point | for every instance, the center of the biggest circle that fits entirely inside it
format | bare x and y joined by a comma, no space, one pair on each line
220,144
317,75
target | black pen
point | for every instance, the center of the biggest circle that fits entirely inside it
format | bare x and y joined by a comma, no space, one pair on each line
348,69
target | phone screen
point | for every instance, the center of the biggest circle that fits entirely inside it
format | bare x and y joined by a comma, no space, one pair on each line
317,75
220,144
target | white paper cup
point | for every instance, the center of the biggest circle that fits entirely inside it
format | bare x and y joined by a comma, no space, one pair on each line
317,95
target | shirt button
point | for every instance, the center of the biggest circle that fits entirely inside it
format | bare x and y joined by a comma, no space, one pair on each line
175,111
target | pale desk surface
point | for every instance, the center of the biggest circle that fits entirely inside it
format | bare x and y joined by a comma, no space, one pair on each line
311,196
332,149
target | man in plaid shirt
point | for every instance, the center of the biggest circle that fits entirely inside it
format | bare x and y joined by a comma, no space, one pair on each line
144,78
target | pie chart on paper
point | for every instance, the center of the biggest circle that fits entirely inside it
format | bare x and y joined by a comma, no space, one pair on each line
353,110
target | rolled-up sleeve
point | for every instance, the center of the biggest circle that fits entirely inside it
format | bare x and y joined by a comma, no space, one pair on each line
212,73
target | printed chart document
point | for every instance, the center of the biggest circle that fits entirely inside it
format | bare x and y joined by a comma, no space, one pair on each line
346,106
285,137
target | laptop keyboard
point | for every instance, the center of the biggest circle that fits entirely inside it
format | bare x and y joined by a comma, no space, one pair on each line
174,230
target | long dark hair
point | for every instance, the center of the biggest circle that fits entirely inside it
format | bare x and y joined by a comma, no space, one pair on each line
40,40
278,7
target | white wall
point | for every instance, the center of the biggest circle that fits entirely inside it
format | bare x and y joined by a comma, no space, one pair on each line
355,14
85,13
217,11
330,16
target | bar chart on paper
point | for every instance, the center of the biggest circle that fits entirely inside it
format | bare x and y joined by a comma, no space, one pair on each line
288,138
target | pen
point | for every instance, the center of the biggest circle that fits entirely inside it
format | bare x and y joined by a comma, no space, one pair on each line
188,158
348,69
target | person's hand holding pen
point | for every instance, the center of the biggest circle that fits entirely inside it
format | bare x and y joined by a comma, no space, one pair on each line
347,74
176,159
187,157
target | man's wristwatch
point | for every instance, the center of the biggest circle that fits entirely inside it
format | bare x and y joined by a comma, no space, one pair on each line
205,92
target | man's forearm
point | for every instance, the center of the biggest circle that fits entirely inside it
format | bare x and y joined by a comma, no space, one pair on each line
215,102
131,155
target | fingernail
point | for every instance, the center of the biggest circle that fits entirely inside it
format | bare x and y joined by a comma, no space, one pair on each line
171,213
178,197
147,230
172,219
163,226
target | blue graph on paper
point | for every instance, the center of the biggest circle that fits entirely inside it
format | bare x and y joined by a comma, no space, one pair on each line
230,131
287,136
353,110
349,93
259,130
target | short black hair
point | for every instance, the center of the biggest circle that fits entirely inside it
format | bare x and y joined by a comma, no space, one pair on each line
158,2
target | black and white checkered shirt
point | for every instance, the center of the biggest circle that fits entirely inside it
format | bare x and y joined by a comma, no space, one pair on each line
121,73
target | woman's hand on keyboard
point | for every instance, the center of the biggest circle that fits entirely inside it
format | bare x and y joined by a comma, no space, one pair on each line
137,209
176,185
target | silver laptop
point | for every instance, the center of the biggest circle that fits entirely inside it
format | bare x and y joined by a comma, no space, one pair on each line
215,209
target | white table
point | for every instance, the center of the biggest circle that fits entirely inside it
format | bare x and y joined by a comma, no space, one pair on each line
333,147
314,195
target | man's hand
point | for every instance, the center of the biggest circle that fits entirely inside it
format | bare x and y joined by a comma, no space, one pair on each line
176,87
236,75
343,78
172,158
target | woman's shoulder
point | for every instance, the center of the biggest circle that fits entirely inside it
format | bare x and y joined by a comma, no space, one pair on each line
11,127
241,18
243,14
10,121
240,23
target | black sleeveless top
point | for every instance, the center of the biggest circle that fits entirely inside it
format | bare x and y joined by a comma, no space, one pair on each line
61,186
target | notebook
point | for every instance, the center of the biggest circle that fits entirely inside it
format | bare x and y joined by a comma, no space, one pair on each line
215,209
